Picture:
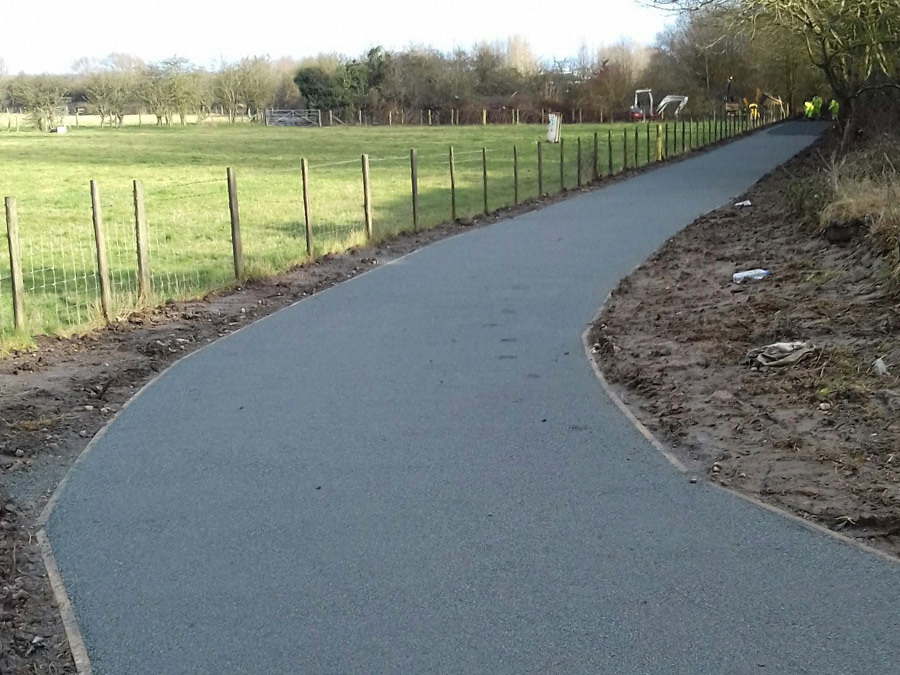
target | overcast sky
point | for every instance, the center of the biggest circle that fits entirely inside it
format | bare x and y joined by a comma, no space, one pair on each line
48,36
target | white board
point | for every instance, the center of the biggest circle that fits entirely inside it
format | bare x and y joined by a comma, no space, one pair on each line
554,128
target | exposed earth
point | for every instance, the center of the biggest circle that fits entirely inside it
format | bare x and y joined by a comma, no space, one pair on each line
818,437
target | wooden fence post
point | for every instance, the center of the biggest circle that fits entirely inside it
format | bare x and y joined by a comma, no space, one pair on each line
659,147
666,144
100,241
562,165
304,178
484,176
367,197
141,241
15,263
237,248
595,171
452,186
515,176
647,134
636,147
682,136
609,152
624,149
540,158
483,117
414,180
578,159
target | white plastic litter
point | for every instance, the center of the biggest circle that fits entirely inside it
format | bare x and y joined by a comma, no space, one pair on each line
780,353
756,275
880,367
744,203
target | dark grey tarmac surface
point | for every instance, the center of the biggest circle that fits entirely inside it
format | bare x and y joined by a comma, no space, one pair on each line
418,472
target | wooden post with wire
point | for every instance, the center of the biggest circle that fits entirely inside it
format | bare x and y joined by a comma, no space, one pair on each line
414,180
452,186
540,162
578,159
100,241
304,178
636,147
15,263
609,152
515,176
367,196
647,134
237,248
595,170
484,175
562,165
141,241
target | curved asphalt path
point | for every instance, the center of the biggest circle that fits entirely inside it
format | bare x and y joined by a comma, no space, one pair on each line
417,471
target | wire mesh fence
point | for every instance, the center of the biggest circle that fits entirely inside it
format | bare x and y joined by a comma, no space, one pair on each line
189,224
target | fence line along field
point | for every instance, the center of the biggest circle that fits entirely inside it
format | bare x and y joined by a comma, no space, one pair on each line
186,198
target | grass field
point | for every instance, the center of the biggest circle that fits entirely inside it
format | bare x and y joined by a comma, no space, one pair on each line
183,173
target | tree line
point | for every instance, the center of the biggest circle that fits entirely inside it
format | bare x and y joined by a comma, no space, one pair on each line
758,45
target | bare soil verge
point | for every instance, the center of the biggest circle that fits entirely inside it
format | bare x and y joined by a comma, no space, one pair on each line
819,437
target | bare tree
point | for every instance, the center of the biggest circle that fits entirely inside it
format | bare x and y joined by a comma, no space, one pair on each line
111,84
257,85
155,93
168,88
228,88
42,96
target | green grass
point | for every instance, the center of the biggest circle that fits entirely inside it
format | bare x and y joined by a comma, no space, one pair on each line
183,173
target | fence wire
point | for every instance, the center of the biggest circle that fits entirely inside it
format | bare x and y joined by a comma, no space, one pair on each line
189,226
